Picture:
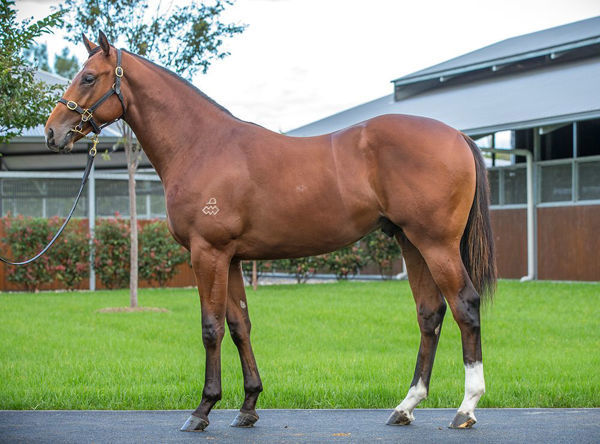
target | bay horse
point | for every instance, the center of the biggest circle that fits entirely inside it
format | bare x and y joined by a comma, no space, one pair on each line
236,191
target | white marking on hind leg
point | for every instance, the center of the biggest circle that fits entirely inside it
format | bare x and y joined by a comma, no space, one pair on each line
415,395
474,388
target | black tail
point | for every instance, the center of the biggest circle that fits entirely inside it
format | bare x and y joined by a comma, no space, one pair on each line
477,243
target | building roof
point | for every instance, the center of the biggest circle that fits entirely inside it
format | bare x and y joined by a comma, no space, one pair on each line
542,97
532,92
577,34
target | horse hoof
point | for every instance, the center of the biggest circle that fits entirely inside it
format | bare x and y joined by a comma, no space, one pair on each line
244,420
194,424
462,421
398,418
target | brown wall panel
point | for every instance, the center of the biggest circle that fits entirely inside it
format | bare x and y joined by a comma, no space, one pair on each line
510,236
569,243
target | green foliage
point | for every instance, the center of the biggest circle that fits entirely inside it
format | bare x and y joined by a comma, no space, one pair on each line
262,267
112,252
382,251
67,260
24,102
70,255
345,261
37,233
159,253
182,38
66,65
302,268
37,55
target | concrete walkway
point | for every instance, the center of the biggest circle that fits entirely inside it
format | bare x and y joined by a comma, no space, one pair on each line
301,426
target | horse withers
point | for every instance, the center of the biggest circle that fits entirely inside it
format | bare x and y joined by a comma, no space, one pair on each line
236,191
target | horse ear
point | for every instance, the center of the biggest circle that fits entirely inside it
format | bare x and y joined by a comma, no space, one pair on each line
103,43
88,45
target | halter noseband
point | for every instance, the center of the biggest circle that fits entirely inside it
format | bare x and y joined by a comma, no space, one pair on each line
87,115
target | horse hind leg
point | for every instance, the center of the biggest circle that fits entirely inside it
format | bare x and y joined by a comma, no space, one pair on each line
448,271
431,308
239,324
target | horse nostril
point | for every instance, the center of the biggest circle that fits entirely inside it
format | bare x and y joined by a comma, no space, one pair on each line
50,138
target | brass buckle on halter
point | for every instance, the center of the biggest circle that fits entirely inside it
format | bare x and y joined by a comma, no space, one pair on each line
119,71
86,115
93,150
71,105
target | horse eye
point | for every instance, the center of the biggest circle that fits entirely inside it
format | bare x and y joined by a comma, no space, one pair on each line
88,78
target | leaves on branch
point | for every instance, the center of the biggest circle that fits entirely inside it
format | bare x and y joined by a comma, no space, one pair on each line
24,101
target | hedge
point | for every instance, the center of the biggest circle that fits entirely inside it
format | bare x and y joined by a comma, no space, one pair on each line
68,259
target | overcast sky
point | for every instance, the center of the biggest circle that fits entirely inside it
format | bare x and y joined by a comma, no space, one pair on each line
302,60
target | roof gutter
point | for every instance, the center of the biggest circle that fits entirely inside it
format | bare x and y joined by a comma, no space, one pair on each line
496,63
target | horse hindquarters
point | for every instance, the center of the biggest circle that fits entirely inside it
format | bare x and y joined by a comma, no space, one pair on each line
438,240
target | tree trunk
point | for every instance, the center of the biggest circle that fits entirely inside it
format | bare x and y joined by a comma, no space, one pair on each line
254,276
132,163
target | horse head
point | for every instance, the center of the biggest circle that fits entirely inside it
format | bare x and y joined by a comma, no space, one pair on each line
88,103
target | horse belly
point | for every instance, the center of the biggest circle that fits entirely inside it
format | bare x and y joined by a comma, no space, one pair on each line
308,217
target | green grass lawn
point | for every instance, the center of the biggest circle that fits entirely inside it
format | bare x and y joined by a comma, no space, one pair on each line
342,345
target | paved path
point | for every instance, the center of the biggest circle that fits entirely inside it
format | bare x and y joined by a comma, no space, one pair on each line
301,426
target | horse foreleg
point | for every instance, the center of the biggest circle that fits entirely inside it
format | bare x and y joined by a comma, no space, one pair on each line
211,268
430,313
239,324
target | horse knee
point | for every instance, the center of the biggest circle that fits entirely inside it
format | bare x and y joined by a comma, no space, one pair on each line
430,319
212,333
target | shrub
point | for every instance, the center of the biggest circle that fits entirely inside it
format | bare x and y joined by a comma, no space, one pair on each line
112,252
70,255
25,237
159,253
383,251
345,261
302,268
261,268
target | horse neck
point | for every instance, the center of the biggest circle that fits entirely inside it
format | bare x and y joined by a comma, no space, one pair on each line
171,119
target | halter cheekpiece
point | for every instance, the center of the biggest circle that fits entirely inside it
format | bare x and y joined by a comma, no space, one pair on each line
87,115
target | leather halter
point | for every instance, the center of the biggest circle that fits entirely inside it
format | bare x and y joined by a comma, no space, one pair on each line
87,115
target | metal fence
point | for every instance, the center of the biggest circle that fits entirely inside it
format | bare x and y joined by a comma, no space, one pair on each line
47,195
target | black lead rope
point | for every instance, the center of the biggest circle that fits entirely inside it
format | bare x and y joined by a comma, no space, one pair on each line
86,173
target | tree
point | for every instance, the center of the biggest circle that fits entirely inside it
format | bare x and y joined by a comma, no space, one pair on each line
37,55
183,38
24,101
66,65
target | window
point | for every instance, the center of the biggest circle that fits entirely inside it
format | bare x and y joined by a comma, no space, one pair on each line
557,144
589,180
588,138
556,182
